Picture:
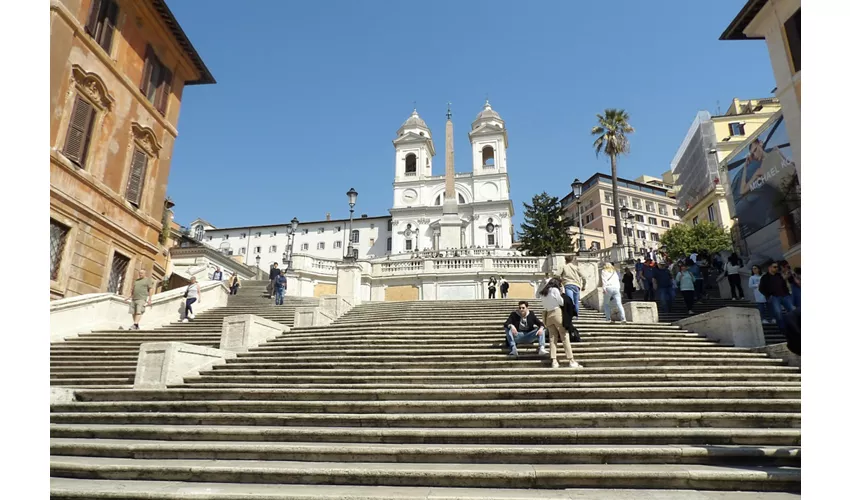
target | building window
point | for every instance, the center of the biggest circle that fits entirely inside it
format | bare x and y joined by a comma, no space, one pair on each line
355,236
338,229
639,218
792,34
736,128
242,251
696,220
641,234
274,233
594,246
305,231
321,230
654,237
628,231
410,164
273,249
653,221
408,244
711,212
258,234
389,244
258,250
118,273
79,132
320,245
305,247
665,223
623,201
227,236
199,233
662,209
491,239
156,81
610,212
101,24
636,203
612,229
609,198
58,237
356,253
371,242
337,244
488,157
136,179
390,225
650,206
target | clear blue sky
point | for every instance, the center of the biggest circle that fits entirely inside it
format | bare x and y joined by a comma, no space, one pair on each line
310,94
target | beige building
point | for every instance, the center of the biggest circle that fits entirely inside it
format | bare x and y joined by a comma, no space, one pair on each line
118,69
778,22
653,209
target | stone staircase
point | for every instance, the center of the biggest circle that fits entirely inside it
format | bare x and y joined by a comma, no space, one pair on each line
418,400
107,358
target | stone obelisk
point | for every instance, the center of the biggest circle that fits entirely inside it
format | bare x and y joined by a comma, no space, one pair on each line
450,223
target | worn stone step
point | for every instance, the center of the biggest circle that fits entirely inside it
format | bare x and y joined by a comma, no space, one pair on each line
60,374
674,403
276,382
428,453
454,475
75,489
103,380
536,435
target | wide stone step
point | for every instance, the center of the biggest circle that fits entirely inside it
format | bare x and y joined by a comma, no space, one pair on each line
75,489
103,380
428,453
322,351
682,404
692,476
536,435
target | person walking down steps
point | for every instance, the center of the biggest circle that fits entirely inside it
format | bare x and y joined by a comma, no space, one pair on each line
628,283
192,295
761,301
234,284
552,301
732,270
687,283
140,296
611,289
279,289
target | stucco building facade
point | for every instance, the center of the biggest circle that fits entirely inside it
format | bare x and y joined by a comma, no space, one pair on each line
118,69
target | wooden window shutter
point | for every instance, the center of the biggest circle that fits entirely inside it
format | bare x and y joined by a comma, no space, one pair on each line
136,179
108,28
79,131
94,13
146,74
164,90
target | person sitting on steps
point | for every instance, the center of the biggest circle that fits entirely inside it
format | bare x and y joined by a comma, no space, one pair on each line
523,327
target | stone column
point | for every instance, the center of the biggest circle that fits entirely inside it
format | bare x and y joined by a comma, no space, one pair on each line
348,278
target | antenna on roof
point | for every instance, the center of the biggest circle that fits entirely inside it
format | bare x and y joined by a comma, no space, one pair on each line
718,109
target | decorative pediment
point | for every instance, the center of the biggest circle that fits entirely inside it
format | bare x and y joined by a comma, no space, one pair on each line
145,138
413,138
487,129
92,86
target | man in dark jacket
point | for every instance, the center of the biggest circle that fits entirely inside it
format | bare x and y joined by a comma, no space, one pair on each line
274,272
775,289
523,327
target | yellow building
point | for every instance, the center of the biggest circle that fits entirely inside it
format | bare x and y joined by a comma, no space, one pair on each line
654,213
778,23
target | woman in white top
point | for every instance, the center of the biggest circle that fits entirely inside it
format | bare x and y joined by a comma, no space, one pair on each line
732,268
193,294
761,301
552,301
611,287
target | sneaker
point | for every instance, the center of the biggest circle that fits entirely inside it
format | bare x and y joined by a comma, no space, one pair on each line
541,352
773,322
513,354
134,327
691,312
555,364
765,322
184,320
574,364
733,298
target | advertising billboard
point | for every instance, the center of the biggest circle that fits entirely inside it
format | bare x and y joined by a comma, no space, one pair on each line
764,184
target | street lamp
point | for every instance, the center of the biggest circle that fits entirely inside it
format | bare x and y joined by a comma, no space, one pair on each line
257,260
577,185
293,225
627,217
352,200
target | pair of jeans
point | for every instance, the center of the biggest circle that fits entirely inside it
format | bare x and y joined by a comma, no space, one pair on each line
698,290
764,312
504,294
279,294
776,305
234,289
524,338
665,298
688,295
648,291
612,295
735,286
795,295
491,293
189,310
557,333
573,292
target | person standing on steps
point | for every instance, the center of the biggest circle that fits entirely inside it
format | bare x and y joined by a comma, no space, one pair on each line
217,275
140,296
503,287
274,272
573,281
628,283
233,283
523,327
687,283
793,279
647,272
704,269
694,269
553,319
663,283
192,295
761,301
491,287
732,268
611,292
279,289
775,290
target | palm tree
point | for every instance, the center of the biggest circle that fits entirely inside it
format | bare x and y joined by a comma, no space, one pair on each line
611,138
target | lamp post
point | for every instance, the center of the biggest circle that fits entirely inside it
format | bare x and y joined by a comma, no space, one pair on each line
352,200
577,185
627,217
257,260
293,226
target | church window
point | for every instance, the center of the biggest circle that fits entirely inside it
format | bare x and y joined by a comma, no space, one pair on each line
410,164
321,245
355,236
242,236
491,239
199,232
488,156
258,250
460,198
273,249
389,244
